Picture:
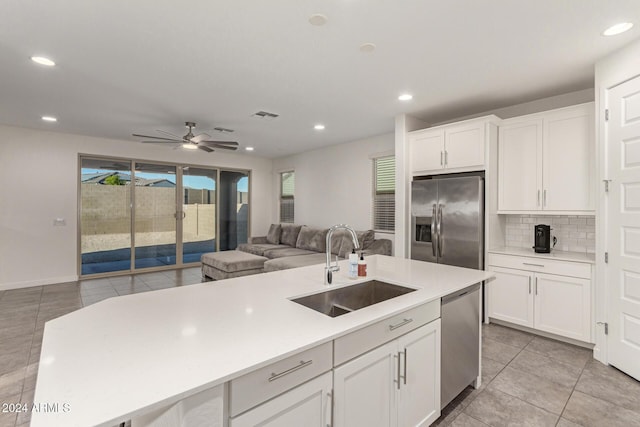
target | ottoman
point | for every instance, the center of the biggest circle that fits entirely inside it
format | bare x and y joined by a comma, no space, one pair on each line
228,264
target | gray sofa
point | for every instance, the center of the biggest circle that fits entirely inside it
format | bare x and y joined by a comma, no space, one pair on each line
288,246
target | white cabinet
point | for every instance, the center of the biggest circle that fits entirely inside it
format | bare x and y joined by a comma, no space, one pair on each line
547,295
396,384
450,148
306,405
546,162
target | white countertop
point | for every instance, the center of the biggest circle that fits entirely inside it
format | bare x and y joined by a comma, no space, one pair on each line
128,355
557,255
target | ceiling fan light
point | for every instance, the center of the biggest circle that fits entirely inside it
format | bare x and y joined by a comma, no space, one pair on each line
189,146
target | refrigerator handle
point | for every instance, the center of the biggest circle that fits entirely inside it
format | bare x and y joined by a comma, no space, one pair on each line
440,251
434,232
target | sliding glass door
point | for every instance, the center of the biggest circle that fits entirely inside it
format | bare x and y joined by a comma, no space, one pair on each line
199,212
137,215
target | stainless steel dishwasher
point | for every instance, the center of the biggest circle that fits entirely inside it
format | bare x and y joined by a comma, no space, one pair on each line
460,366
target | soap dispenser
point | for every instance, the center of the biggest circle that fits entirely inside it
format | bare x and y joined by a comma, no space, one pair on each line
362,266
353,264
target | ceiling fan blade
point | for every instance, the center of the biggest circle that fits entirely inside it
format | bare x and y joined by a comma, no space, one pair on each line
223,147
200,137
155,137
169,141
179,138
207,149
233,143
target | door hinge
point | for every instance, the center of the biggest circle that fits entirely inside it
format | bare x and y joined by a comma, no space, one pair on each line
606,185
606,327
606,115
606,257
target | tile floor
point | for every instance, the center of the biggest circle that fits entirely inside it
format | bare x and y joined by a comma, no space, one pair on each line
527,380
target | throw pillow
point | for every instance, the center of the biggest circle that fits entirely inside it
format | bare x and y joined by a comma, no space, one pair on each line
289,234
273,236
312,239
365,239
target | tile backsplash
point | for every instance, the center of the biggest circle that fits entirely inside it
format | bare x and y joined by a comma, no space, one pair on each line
574,233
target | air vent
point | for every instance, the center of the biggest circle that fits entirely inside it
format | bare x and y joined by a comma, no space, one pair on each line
265,115
223,130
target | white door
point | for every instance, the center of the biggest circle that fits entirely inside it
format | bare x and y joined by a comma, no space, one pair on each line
520,166
365,389
622,143
306,405
419,402
464,146
511,296
568,160
563,306
426,149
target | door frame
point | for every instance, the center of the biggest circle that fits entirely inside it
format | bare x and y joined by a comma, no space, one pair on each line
617,68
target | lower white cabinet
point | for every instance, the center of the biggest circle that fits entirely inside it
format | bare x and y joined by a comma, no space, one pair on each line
555,303
396,384
308,404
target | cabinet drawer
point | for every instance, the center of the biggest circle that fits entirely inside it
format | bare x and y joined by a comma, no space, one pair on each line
263,384
541,265
363,340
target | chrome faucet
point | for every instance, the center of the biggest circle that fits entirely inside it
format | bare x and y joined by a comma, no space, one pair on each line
330,268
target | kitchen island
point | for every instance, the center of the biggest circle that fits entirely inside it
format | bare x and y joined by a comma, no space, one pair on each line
128,357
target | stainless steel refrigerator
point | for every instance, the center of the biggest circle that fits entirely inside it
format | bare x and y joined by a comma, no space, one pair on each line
447,220
447,227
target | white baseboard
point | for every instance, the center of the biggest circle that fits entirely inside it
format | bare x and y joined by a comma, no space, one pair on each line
40,282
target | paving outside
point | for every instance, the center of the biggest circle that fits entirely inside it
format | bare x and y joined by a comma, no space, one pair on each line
526,380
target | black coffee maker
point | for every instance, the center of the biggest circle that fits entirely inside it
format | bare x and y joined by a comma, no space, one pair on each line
542,238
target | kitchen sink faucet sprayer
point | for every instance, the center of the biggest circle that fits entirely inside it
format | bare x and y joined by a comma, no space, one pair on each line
330,268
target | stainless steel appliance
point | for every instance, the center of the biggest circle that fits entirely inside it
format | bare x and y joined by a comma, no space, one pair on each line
447,227
460,342
447,220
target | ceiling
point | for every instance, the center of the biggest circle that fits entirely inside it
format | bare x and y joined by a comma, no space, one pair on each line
128,67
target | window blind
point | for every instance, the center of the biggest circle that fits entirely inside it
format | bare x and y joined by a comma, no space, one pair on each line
384,203
287,189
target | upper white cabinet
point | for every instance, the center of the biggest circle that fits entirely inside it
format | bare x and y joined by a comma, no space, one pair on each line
546,162
454,147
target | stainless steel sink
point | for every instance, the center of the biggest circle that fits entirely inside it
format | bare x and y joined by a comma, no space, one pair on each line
337,302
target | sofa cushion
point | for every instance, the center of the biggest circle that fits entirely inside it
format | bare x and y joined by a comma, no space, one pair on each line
365,239
280,253
312,239
289,234
232,261
336,240
293,262
259,249
273,236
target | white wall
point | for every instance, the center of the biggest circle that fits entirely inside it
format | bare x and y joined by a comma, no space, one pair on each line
334,184
39,175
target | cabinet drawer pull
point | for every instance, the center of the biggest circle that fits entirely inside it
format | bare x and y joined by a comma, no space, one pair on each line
302,364
397,325
534,265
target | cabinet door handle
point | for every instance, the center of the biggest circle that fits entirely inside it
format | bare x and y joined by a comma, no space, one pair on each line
529,284
397,357
441,158
536,286
398,325
327,412
446,157
538,202
534,265
404,377
544,198
302,364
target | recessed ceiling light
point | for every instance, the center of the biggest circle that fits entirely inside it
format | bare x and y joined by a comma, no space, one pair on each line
405,97
43,61
617,29
318,19
248,148
319,127
49,119
189,146
367,47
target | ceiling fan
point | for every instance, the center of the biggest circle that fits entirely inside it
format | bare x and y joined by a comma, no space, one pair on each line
201,141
